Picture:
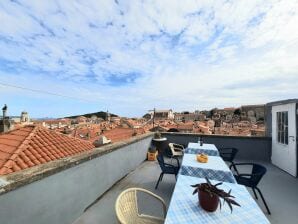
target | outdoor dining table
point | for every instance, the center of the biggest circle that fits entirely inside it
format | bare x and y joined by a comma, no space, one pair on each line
184,206
196,148
214,169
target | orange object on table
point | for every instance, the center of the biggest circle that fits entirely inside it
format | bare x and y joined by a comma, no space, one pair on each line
202,158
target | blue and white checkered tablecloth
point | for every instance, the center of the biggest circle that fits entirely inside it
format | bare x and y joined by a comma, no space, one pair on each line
214,169
184,206
194,145
209,152
212,174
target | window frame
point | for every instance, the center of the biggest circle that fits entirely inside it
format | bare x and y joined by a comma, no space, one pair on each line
282,120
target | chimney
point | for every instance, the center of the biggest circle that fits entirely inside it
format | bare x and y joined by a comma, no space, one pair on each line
5,124
4,110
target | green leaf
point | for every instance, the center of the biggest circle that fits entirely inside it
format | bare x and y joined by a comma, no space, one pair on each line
234,202
208,181
195,191
230,206
218,184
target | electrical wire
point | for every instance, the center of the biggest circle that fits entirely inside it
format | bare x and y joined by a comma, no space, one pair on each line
44,92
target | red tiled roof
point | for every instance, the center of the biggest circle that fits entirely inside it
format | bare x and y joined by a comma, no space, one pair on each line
62,121
119,134
32,145
188,125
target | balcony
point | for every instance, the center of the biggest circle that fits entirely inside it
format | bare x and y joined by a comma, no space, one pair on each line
83,189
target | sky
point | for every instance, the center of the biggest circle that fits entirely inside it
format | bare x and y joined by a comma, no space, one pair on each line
132,56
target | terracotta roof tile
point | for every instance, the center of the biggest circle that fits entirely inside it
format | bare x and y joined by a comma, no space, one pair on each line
10,142
7,148
36,162
43,160
15,167
30,163
24,157
21,133
31,145
31,157
21,163
9,163
4,155
2,161
5,170
12,137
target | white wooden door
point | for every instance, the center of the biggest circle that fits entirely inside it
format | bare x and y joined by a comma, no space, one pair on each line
284,152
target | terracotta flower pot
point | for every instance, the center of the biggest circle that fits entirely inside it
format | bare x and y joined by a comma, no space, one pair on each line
207,202
151,156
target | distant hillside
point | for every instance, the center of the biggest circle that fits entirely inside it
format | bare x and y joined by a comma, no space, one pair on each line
100,114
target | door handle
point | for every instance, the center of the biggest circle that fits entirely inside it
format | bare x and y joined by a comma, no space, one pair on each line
293,137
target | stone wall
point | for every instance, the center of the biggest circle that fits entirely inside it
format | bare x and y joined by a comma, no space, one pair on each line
250,148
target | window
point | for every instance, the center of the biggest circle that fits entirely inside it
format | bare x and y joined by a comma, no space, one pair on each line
282,127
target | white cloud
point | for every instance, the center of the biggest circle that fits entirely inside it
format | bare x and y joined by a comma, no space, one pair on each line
134,55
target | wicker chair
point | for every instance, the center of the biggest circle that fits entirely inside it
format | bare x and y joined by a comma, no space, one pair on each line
127,208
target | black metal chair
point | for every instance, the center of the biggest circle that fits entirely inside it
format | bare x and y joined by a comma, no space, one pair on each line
228,155
252,180
165,169
176,152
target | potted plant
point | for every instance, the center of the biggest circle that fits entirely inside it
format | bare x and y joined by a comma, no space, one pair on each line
159,141
152,153
157,135
210,196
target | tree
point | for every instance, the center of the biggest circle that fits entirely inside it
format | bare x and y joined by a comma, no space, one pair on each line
237,112
212,112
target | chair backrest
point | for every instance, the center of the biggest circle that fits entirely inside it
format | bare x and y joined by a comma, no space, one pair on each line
171,146
161,162
126,206
258,171
228,154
